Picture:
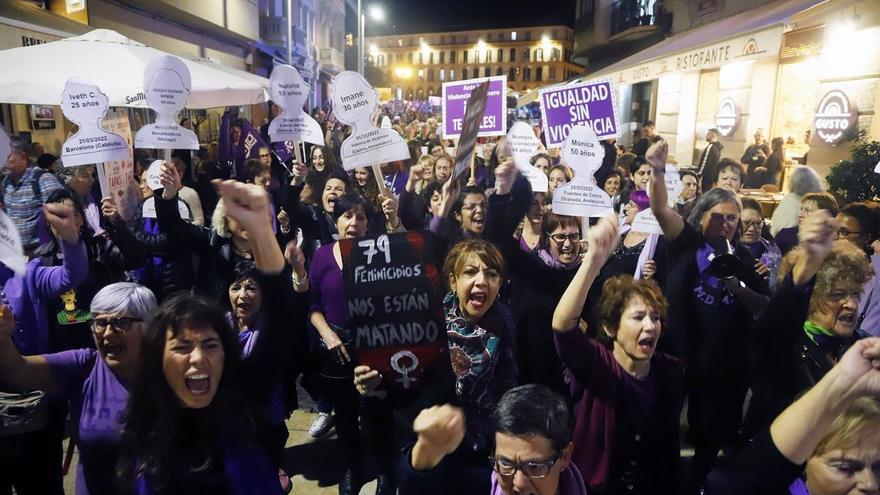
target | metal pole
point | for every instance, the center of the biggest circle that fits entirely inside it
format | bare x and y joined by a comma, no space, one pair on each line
289,34
360,50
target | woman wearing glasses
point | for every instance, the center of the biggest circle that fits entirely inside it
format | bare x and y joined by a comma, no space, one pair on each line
629,396
810,320
860,223
711,308
96,382
767,256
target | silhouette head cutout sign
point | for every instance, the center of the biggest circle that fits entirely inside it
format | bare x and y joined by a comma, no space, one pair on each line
85,105
583,153
354,102
167,86
289,91
523,145
645,221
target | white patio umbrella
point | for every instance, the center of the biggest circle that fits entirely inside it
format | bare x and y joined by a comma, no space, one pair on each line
35,75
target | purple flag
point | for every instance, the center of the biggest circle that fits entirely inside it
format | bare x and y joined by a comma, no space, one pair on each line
248,146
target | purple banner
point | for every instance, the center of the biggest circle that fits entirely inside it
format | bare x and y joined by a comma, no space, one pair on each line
455,97
591,104
248,146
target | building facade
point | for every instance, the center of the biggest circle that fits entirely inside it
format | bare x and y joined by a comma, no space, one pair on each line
416,65
807,71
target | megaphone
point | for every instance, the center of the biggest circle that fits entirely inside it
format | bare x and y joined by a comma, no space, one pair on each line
723,262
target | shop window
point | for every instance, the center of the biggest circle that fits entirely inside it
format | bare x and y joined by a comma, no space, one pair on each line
796,90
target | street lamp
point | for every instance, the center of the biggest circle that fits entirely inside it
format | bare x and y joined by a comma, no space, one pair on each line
377,14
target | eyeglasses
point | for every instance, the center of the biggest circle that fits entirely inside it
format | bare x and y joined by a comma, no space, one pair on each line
561,238
747,224
121,324
473,206
846,233
532,469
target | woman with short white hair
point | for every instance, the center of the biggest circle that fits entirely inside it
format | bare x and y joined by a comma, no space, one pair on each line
95,381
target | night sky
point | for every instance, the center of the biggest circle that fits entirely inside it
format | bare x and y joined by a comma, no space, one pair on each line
416,16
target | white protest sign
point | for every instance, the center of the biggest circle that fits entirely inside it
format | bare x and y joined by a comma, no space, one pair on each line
582,197
645,221
167,86
85,105
386,122
353,103
877,168
523,145
153,180
117,177
5,148
289,91
11,250
149,209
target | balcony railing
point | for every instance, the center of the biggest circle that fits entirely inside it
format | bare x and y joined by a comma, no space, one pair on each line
628,14
274,30
331,57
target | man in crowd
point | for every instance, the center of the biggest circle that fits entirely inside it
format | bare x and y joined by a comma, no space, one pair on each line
756,154
533,433
25,188
649,137
708,164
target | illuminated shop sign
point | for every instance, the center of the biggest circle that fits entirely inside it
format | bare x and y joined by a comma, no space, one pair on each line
834,117
727,118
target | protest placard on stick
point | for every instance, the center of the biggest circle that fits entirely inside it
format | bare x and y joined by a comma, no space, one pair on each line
523,145
167,85
582,197
476,105
85,105
392,291
289,91
591,104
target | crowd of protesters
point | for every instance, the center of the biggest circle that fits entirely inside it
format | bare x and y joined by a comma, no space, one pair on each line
170,346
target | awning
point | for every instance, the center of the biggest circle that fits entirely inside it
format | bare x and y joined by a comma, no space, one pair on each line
753,34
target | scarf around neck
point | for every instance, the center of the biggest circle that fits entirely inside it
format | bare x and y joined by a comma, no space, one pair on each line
822,337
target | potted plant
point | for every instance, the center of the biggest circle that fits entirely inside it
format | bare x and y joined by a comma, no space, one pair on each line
854,179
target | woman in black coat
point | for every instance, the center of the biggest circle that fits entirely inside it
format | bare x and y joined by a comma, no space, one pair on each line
809,321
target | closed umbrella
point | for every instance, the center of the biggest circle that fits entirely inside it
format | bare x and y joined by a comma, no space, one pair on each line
35,75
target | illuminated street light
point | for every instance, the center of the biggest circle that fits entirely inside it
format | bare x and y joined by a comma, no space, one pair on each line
377,13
